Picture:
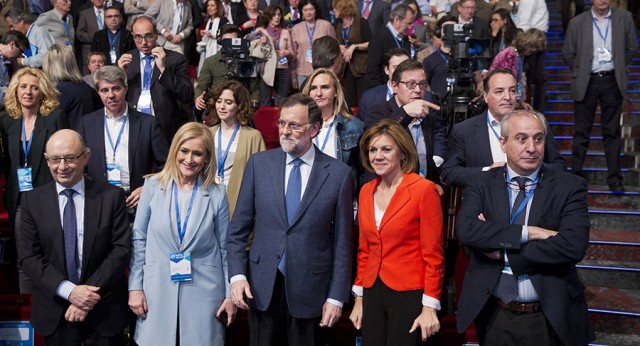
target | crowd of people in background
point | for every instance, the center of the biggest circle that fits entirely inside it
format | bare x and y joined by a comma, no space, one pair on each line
130,125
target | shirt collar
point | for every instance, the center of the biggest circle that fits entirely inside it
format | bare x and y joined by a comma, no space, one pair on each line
513,174
122,116
394,32
593,14
79,187
492,118
307,157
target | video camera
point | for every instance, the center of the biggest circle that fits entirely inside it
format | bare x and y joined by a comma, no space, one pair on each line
466,53
236,54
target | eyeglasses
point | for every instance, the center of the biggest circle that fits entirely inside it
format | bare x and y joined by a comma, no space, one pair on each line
473,8
111,16
147,37
412,84
69,159
292,125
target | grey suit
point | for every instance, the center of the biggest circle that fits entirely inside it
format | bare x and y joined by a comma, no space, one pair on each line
53,22
318,243
162,11
87,27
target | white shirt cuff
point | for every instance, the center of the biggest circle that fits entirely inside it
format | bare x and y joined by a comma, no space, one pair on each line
335,302
65,288
437,160
484,169
357,290
524,237
430,302
237,278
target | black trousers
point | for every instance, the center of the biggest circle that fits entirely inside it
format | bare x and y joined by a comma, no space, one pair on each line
604,91
353,87
276,326
537,79
565,9
497,326
387,316
78,334
281,84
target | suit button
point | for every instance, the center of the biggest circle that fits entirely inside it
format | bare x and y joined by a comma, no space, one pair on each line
278,256
487,291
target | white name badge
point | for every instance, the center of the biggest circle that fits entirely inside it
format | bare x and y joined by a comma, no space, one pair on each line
180,266
144,102
308,55
604,56
113,174
25,179
283,60
112,54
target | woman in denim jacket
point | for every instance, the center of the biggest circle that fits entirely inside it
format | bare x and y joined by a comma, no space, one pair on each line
340,131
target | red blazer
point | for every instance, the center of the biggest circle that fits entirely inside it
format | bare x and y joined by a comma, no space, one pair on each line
407,252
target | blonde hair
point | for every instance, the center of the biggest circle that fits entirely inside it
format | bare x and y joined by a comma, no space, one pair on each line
339,103
189,131
347,8
48,93
533,39
60,65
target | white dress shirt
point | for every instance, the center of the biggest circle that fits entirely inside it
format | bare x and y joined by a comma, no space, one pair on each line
122,152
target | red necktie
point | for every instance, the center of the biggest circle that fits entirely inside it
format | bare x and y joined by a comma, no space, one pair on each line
367,9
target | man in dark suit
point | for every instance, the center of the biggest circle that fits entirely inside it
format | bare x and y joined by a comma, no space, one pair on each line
376,12
392,58
300,203
113,40
421,118
393,35
127,144
599,45
167,91
90,20
467,11
522,286
75,246
474,144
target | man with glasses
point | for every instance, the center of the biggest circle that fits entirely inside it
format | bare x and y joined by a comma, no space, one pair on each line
113,40
298,200
127,144
75,247
158,79
39,38
467,15
59,22
421,118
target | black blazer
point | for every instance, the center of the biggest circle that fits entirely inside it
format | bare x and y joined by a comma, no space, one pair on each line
11,131
100,43
391,110
105,256
148,148
76,100
379,44
560,204
172,95
469,151
378,14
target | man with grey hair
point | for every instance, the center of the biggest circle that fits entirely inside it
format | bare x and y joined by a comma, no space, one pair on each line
527,225
393,35
126,144
39,39
59,22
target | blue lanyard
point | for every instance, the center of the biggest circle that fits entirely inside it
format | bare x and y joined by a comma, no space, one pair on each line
26,148
395,38
491,127
66,27
418,130
446,59
324,143
524,203
520,59
346,32
310,34
606,33
112,42
223,158
114,147
183,230
275,34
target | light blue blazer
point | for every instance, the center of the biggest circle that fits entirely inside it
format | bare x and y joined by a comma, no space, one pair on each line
154,238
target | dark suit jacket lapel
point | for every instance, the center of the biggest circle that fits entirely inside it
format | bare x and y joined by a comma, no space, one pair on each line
482,136
96,136
134,136
37,147
92,208
276,174
541,195
318,175
500,197
50,202
156,71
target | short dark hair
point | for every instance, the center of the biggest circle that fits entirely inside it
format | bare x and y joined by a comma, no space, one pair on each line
16,36
324,52
313,3
394,52
407,65
17,15
485,82
148,18
400,11
315,114
229,29
240,95
267,15
94,53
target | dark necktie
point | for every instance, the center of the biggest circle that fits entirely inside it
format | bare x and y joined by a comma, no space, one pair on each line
507,289
292,199
367,9
146,78
69,228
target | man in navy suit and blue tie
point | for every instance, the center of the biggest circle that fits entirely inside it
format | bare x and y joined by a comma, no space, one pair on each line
300,203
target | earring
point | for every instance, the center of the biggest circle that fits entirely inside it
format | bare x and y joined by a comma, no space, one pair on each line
403,161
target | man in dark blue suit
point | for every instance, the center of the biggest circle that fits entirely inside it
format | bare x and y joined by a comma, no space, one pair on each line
126,144
299,201
376,12
526,226
392,58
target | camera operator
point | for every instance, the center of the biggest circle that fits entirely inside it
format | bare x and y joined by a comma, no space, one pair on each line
436,65
215,70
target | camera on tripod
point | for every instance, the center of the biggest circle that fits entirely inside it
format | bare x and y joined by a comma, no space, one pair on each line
236,54
466,55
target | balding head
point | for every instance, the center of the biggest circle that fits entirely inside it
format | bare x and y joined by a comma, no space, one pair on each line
67,155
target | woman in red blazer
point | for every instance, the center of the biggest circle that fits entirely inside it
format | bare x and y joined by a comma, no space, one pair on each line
401,255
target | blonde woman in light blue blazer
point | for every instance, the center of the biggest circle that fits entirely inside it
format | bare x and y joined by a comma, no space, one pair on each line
171,302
